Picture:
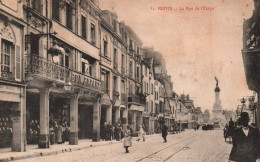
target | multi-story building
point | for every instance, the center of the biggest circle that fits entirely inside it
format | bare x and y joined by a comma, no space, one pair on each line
250,53
67,61
160,74
113,65
136,100
12,79
62,66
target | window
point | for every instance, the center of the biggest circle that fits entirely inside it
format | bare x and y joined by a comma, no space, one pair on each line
138,50
93,34
151,106
123,61
55,10
130,68
131,45
69,16
6,51
151,88
115,55
137,73
115,25
147,88
83,27
123,86
36,5
105,45
146,71
115,84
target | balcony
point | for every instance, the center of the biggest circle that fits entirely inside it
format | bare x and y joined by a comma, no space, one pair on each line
44,69
251,51
6,75
137,99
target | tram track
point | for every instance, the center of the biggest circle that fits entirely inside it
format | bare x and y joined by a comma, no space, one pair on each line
169,157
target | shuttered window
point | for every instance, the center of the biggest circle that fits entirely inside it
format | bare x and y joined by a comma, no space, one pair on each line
18,62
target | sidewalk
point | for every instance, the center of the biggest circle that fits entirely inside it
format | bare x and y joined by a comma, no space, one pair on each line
33,151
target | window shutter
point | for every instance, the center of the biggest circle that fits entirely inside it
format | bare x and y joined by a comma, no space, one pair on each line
18,63
12,61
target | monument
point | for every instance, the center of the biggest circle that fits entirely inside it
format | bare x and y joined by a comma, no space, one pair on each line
217,118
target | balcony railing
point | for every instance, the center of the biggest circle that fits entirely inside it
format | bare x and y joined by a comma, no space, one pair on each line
41,67
137,99
7,75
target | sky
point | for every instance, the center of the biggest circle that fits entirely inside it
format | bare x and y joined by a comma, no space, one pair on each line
196,44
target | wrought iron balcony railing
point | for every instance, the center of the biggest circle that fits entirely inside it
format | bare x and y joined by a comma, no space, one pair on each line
137,99
46,69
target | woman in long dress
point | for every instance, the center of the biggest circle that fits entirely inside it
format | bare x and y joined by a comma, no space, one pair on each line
127,139
59,133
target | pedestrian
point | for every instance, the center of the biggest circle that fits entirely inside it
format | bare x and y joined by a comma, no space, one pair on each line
59,133
225,132
141,134
164,132
127,139
245,142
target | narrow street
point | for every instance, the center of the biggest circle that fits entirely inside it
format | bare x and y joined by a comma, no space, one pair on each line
187,146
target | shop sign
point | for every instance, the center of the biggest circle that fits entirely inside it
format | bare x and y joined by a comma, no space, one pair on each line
10,89
84,80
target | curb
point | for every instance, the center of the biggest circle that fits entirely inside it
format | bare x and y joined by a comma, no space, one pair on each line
33,155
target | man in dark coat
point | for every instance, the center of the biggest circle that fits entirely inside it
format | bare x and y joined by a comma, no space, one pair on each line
245,142
164,131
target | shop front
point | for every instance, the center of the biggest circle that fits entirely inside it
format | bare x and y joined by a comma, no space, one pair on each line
12,121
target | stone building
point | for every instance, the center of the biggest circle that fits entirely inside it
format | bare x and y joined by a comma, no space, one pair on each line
251,53
12,78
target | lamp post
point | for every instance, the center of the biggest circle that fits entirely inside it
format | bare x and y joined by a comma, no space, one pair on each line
243,101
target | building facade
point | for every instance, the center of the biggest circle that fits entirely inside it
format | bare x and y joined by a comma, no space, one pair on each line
69,63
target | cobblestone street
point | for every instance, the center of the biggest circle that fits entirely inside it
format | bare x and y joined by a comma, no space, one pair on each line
187,146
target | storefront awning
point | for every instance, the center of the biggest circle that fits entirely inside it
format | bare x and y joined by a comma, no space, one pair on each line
137,108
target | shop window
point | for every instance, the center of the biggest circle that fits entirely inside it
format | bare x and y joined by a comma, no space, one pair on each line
69,16
93,34
55,10
83,27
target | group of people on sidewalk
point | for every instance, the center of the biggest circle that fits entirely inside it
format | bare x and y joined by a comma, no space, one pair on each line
59,132
111,131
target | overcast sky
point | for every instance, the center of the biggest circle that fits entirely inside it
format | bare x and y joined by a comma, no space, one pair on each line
197,44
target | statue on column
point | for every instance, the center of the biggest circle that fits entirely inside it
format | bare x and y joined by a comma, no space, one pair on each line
216,81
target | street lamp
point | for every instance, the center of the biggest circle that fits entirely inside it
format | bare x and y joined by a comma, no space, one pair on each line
55,52
243,101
